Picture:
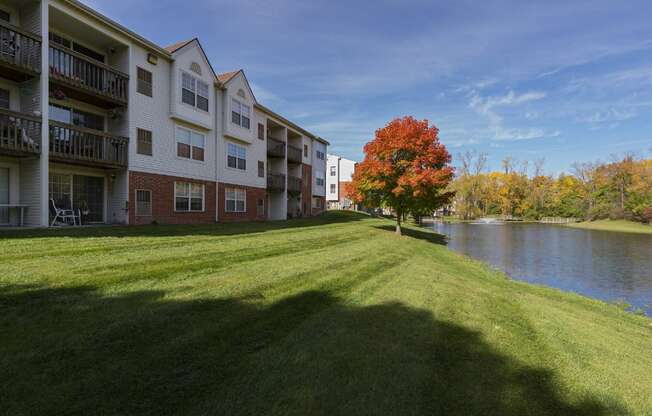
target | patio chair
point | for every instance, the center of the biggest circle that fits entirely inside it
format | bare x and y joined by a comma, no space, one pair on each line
64,216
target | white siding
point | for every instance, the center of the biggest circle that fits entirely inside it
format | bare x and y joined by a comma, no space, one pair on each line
30,191
153,114
318,166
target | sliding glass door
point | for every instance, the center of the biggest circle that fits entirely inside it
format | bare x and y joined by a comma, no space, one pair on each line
88,197
79,192
4,195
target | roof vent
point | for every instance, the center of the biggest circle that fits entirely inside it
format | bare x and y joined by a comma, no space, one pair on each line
194,67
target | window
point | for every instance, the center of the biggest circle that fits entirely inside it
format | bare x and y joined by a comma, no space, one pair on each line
144,144
188,197
261,169
235,200
4,99
320,155
80,118
317,202
261,131
143,203
194,92
190,145
240,114
305,150
67,43
236,157
260,207
333,171
333,186
144,82
319,179
202,95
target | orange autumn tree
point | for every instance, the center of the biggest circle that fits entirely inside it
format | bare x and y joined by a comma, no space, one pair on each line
405,168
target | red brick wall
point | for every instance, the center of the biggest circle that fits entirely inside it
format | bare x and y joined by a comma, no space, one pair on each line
162,187
306,190
252,196
342,191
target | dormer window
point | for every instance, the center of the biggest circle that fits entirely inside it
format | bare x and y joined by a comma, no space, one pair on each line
240,114
194,92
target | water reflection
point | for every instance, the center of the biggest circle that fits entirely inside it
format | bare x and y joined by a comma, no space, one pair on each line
605,265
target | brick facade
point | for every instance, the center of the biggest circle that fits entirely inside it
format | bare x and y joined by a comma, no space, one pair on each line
162,187
252,196
306,190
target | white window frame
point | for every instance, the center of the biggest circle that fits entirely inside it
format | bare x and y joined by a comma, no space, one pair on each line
237,156
192,146
194,89
189,185
235,191
331,190
151,202
319,177
237,107
333,171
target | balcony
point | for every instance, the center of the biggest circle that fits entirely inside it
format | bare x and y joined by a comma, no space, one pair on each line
20,53
275,148
20,134
294,185
294,154
86,79
276,182
82,146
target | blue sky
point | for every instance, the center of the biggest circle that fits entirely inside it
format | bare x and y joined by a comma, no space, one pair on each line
561,80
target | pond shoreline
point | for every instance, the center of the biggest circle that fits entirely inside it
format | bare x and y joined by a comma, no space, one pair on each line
613,267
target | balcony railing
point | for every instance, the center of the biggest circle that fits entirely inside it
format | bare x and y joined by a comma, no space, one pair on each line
20,134
294,154
294,184
275,148
88,147
88,76
20,49
276,182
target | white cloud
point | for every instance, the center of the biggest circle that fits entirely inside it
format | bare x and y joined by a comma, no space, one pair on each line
488,107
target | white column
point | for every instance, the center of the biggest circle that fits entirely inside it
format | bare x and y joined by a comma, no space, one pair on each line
45,130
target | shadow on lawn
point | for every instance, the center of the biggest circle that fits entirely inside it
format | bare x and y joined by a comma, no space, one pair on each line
182,230
429,236
76,351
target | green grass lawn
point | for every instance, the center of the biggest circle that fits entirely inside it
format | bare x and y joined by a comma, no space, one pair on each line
615,225
330,316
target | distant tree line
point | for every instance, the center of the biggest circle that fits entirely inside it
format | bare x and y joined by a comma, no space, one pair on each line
619,189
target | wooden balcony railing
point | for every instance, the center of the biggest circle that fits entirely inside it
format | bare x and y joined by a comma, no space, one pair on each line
20,49
276,182
294,184
86,146
20,134
275,148
87,75
294,154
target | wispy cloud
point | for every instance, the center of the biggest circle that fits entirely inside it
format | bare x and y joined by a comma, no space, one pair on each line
489,108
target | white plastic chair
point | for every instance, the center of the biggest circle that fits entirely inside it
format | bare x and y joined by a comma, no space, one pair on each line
64,215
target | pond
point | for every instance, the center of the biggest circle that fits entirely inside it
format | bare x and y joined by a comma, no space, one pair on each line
612,266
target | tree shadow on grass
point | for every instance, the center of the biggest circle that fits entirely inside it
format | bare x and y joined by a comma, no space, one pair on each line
217,229
425,235
78,351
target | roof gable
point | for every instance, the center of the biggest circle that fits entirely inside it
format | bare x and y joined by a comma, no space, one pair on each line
180,47
227,77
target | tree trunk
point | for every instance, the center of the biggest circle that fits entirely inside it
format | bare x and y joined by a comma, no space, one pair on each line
398,223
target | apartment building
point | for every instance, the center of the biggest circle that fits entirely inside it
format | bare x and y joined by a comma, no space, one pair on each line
339,173
96,119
